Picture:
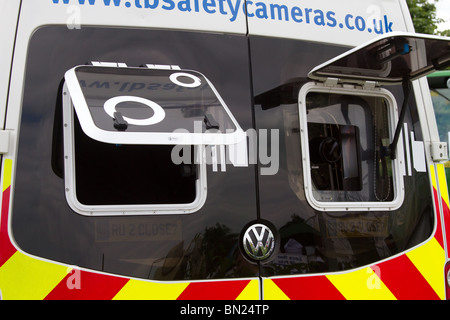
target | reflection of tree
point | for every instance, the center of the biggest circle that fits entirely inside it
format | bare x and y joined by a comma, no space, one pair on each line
211,254
441,104
216,245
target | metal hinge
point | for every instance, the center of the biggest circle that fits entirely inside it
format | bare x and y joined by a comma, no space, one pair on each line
370,85
124,65
439,151
163,66
366,85
331,82
108,64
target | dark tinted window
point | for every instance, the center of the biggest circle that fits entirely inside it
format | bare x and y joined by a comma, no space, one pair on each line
123,175
181,97
346,137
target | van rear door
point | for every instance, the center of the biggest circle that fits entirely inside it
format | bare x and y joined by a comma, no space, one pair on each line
358,186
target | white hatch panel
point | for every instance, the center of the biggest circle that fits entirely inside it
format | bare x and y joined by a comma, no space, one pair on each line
150,106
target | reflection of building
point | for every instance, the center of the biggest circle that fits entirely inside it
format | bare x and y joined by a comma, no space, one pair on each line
298,252
212,254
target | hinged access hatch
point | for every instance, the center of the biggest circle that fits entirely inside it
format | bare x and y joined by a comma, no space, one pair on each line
389,59
347,121
150,107
135,139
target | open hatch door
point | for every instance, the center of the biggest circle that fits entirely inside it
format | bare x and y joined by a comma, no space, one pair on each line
350,127
150,106
397,58
388,60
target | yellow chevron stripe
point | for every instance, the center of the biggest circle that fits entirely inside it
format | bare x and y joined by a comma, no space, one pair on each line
143,290
250,292
429,259
23,277
272,291
433,177
363,284
7,167
443,183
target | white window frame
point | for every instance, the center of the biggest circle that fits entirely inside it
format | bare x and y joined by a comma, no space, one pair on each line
120,210
74,101
396,163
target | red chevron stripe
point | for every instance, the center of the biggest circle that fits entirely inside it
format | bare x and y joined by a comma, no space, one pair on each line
309,288
405,282
217,290
83,285
446,214
7,249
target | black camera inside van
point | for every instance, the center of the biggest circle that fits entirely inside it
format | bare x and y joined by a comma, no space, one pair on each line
335,156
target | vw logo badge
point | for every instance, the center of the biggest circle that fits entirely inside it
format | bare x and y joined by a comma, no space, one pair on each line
259,241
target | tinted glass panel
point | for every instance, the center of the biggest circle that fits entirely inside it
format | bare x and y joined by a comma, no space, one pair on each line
390,60
346,139
150,100
130,174
439,84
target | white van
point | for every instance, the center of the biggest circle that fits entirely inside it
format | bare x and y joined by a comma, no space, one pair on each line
220,149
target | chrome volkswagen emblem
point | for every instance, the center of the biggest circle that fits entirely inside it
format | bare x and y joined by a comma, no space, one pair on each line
258,242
